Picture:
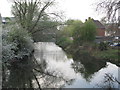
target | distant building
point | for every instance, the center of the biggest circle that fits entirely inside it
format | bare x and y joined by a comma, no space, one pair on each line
100,28
6,20
100,31
112,29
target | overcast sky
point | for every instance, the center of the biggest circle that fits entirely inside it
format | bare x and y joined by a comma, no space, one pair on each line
73,9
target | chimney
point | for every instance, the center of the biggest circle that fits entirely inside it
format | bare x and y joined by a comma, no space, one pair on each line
89,17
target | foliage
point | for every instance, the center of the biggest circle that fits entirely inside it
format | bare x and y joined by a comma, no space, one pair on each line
16,43
77,35
45,31
103,46
34,17
88,32
84,32
23,40
78,32
7,52
72,29
64,42
28,12
110,54
64,37
72,25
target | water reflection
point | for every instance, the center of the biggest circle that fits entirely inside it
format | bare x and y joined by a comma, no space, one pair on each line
49,67
39,71
19,74
57,66
87,65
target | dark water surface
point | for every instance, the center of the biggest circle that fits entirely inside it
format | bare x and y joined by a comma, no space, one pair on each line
76,72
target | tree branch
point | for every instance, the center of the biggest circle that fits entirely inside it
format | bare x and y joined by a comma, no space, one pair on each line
37,80
41,12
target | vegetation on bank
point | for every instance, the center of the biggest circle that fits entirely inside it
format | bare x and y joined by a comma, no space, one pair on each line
17,43
78,37
76,33
110,55
93,51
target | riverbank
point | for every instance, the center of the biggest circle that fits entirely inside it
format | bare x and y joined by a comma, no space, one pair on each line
109,55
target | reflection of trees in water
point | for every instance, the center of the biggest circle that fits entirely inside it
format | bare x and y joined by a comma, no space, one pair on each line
87,65
18,74
51,79
30,74
109,82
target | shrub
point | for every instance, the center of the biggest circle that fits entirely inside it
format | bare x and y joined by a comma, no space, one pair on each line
7,47
103,46
23,40
16,43
84,32
64,42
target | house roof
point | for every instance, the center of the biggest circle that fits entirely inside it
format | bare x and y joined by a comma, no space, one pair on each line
98,24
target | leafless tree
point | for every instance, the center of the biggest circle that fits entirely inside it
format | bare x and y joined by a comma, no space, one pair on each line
110,8
29,12
109,82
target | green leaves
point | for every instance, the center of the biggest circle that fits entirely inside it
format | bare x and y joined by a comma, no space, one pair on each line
88,31
16,43
72,27
29,13
84,32
78,31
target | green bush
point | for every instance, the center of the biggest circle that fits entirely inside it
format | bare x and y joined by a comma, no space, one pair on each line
64,42
17,42
84,32
103,46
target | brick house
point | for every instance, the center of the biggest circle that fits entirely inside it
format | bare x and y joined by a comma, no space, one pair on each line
100,28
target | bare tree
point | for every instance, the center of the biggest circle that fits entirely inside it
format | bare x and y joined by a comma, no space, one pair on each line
109,82
110,8
29,12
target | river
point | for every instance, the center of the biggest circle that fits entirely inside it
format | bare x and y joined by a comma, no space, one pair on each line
78,74
64,72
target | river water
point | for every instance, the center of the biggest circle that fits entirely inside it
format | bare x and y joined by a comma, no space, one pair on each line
75,73
61,71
